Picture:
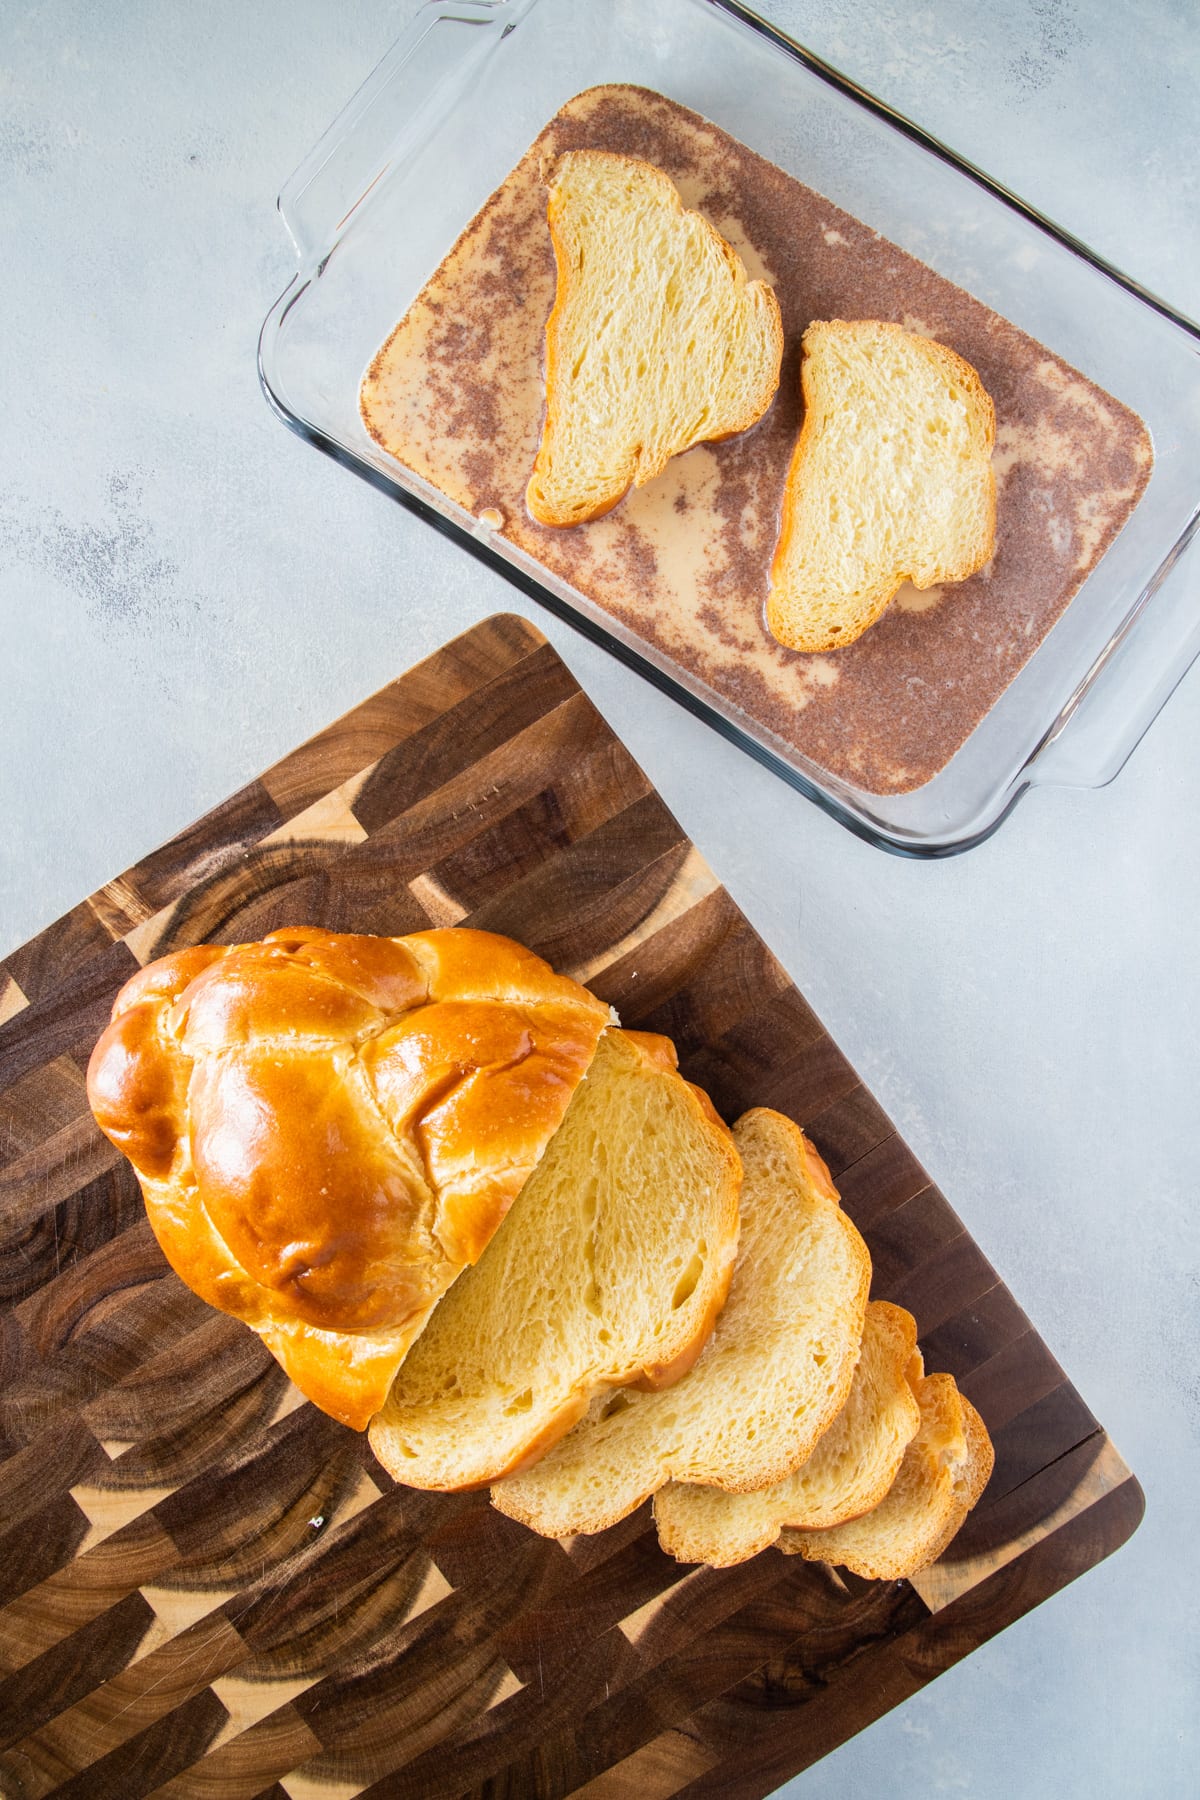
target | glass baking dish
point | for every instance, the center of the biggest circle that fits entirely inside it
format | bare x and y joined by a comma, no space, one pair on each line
451,110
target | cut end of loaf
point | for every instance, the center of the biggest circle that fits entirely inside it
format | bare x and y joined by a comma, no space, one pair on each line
891,481
657,339
608,1269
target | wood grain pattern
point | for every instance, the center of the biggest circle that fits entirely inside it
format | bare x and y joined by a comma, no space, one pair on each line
207,1588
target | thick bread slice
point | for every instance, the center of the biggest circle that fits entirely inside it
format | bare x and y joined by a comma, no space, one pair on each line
945,1470
891,481
657,340
774,1374
849,1472
610,1267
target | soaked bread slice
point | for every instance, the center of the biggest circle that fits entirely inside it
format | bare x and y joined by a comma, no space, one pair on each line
849,1472
945,1470
891,481
610,1267
771,1379
657,340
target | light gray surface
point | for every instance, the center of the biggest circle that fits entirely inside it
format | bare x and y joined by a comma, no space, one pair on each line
186,591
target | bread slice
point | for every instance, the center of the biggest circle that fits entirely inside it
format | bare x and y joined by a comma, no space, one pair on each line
774,1374
657,339
891,481
945,1470
610,1267
849,1472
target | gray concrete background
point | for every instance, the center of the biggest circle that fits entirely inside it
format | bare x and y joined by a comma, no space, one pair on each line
186,591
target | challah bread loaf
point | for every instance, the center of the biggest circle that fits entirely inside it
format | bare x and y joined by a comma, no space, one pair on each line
610,1268
771,1379
657,339
328,1129
891,481
850,1470
945,1469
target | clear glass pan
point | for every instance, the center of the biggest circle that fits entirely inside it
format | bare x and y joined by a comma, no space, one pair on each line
453,107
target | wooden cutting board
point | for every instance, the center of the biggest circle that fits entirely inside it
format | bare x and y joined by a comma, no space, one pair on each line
207,1587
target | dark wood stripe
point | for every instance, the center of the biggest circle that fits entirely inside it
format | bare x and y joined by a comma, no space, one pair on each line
355,1589
124,1330
850,1128
206,848
46,1611
54,1681
69,1017
230,1525
391,716
172,1392
886,1177
38,967
528,820
93,1212
297,882
60,1459
531,1734
35,1108
597,890
651,975
32,1550
229,1400
249,1763
137,1697
153,1756
591,774
581,1609
776,1056
904,1240
1000,1519
1037,1436
952,1276
974,1334
1023,1370
461,735
741,972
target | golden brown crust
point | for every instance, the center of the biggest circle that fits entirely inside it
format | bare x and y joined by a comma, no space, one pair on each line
975,1474
541,509
568,1414
328,1127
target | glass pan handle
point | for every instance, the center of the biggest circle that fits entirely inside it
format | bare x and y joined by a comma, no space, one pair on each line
1119,699
389,116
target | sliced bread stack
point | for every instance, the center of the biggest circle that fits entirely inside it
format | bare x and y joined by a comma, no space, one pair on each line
772,1378
806,1420
673,1310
